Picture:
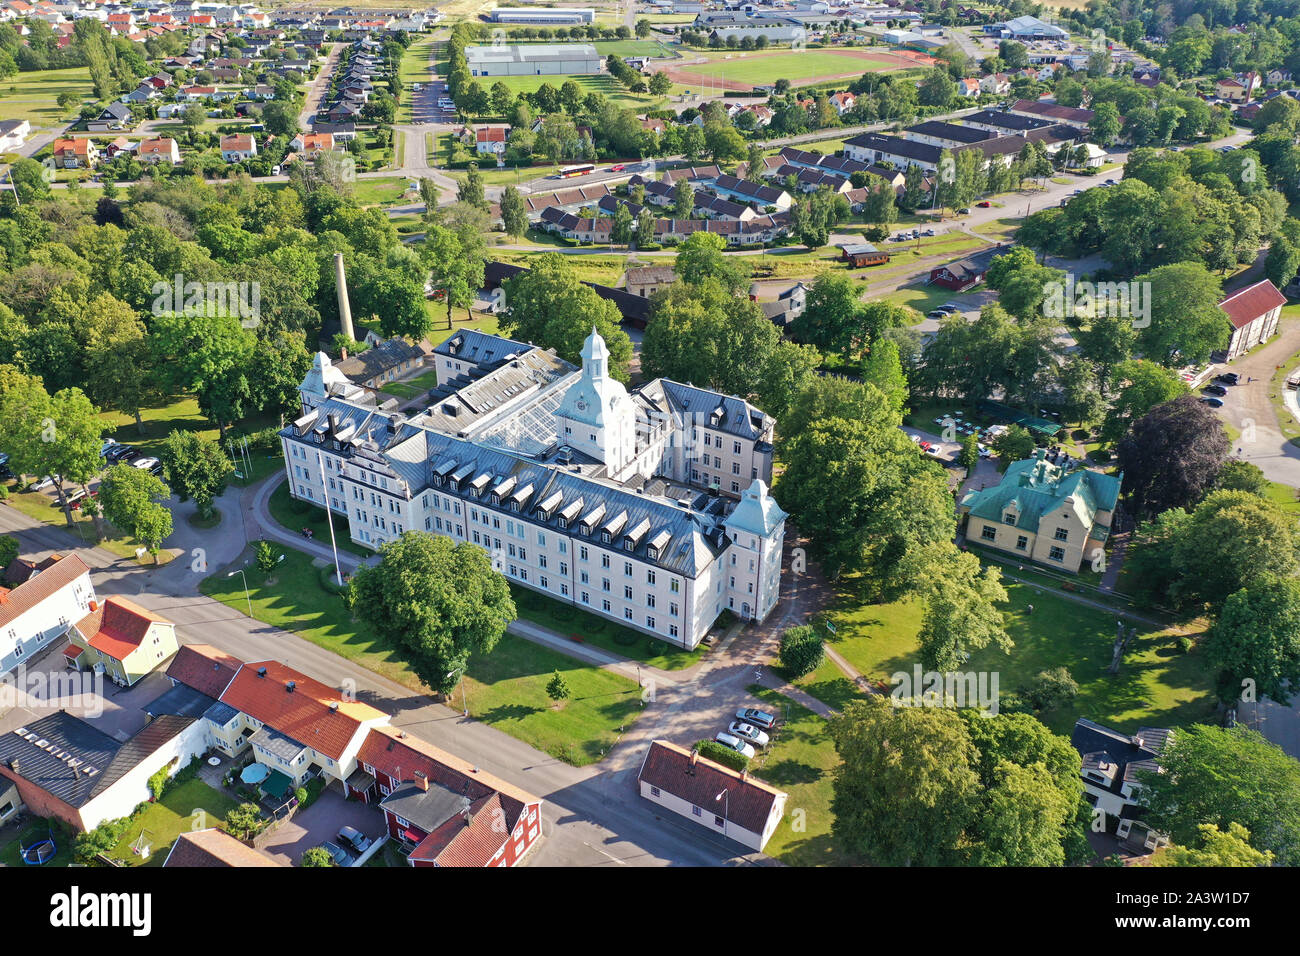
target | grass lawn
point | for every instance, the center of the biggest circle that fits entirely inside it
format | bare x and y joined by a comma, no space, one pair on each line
588,628
507,689
1285,496
11,852
440,333
294,515
297,602
184,413
999,229
921,297
33,96
412,386
1286,420
604,84
380,192
801,761
167,819
1158,685
829,685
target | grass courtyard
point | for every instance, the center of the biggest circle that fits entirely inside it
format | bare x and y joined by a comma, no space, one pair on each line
191,805
793,65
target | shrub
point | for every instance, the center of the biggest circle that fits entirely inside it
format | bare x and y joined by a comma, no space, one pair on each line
300,795
1185,643
317,856
557,688
265,556
329,582
802,651
714,751
1050,689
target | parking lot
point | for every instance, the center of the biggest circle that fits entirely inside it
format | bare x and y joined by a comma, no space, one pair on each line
320,823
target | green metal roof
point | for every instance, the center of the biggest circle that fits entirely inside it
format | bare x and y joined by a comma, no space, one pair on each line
1035,486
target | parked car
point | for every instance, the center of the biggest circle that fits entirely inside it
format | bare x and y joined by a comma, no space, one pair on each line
748,732
964,212
46,482
984,450
759,718
337,853
1110,182
145,463
118,453
78,499
1215,390
1213,402
354,839
927,232
1228,378
735,743
938,314
984,204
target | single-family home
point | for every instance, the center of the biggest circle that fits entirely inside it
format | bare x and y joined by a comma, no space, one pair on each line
1253,313
843,102
730,803
491,139
1111,764
968,88
162,149
998,84
443,810
312,144
238,147
42,608
121,640
13,133
1046,509
115,116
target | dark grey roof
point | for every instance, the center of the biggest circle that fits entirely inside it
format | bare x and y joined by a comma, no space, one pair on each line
278,744
180,701
378,359
78,762
1005,120
941,130
220,714
471,345
427,809
1097,744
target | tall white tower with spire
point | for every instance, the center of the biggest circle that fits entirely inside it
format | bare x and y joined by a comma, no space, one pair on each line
597,416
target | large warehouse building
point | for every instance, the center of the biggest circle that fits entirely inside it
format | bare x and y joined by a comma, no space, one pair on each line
533,59
544,16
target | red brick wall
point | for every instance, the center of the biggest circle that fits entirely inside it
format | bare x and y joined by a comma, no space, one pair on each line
44,804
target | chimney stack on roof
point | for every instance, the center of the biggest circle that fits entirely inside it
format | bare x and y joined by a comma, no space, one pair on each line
421,780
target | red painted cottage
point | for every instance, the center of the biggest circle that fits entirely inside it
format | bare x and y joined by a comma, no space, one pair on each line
443,810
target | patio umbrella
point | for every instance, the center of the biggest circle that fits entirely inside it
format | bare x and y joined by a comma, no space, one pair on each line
255,773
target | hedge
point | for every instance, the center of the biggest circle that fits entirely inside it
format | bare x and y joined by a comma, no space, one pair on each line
714,751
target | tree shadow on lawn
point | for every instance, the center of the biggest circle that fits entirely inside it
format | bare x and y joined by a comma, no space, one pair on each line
819,850
789,773
504,712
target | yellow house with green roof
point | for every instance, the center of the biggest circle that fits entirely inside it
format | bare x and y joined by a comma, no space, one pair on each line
1044,513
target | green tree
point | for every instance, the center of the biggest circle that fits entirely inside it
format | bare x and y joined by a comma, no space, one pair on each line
1242,476
244,822
1142,386
133,500
1014,444
1217,848
960,598
557,688
455,267
683,199
905,789
56,435
8,550
550,307
1222,776
514,214
1255,643
470,189
209,356
1186,323
802,651
700,257
437,601
969,455
317,856
195,467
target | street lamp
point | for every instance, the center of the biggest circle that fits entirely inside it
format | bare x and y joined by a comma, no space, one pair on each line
726,808
240,572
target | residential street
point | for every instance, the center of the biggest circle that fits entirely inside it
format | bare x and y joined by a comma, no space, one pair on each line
1248,407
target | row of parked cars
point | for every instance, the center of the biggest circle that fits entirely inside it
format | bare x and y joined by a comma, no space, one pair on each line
943,311
747,731
347,846
1218,388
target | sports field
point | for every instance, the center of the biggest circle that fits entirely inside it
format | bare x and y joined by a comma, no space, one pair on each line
603,83
743,71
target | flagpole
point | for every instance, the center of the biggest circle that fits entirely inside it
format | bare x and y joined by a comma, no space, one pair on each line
329,517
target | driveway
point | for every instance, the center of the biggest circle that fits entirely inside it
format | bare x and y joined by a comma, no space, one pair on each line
1248,407
321,822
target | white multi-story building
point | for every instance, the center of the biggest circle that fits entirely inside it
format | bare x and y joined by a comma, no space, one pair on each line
57,594
648,507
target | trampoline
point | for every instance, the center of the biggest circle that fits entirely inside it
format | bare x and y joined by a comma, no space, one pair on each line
40,852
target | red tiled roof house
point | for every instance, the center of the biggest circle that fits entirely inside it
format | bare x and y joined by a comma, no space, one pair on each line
730,803
42,608
442,809
121,640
